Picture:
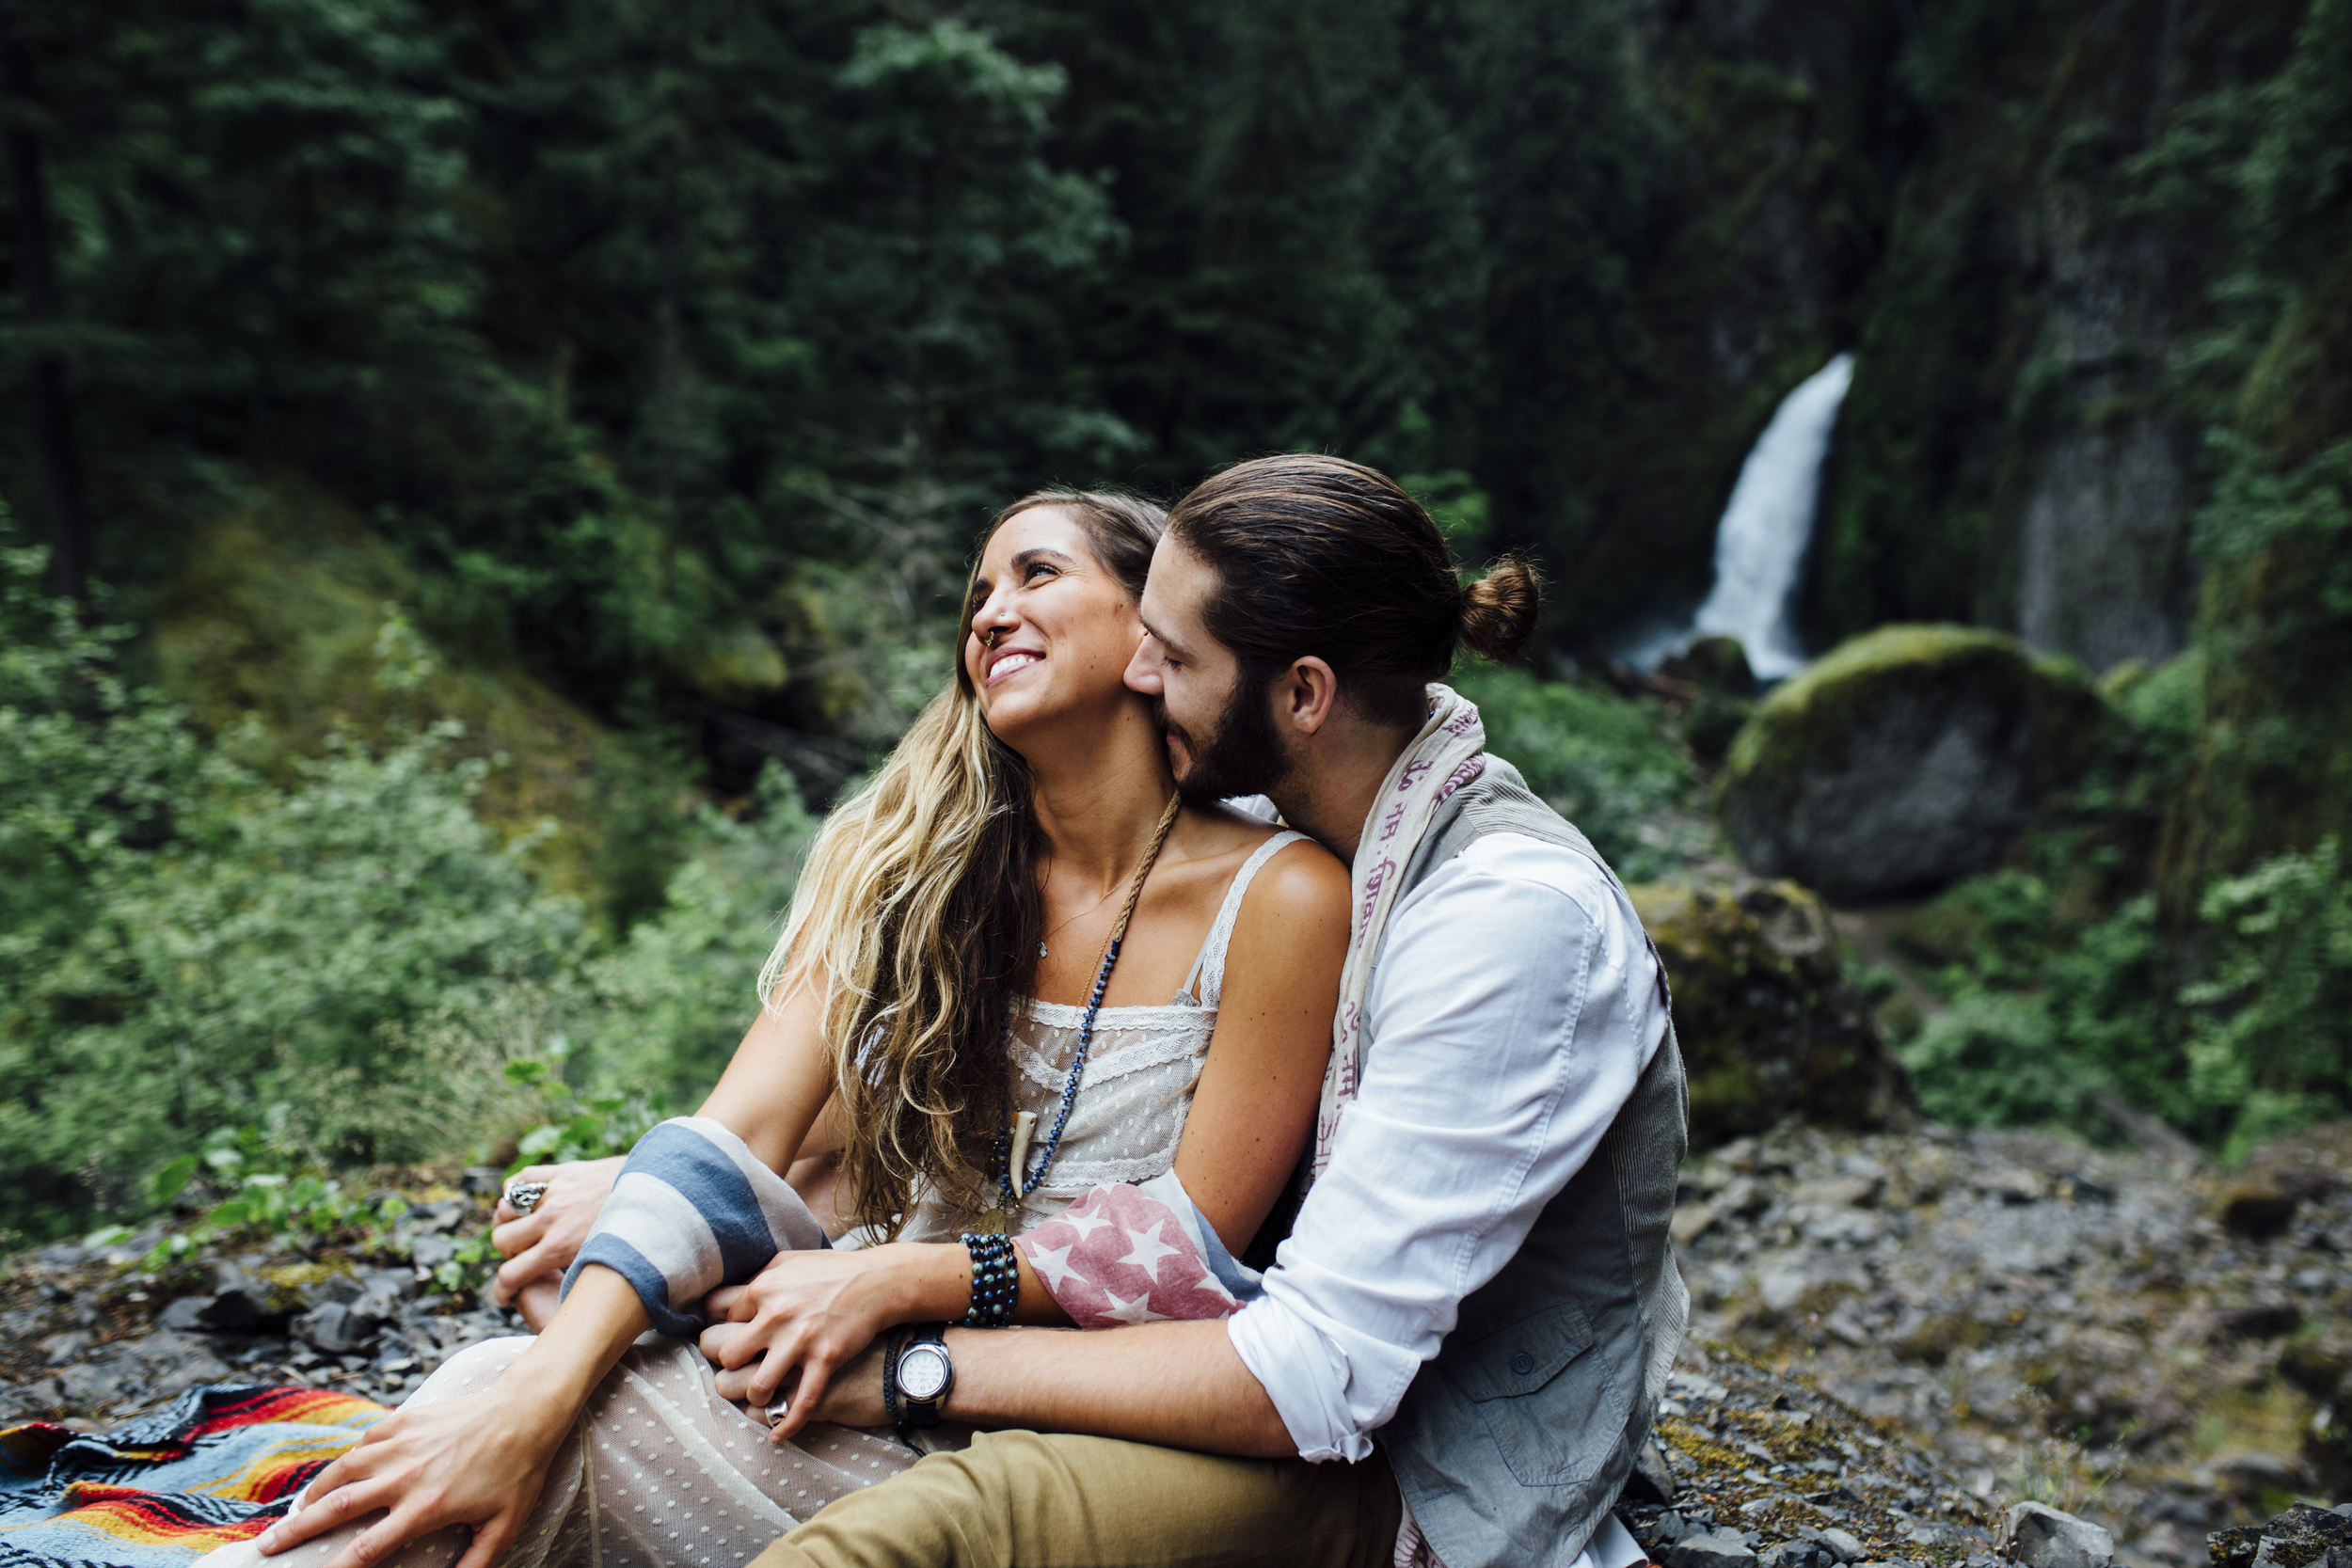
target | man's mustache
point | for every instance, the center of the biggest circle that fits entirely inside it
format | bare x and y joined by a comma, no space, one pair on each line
1170,727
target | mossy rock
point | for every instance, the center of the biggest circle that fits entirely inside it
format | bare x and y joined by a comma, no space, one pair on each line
1769,1023
1714,664
1908,759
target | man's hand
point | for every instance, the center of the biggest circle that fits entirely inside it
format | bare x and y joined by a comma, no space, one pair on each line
807,1313
477,1461
852,1396
541,1244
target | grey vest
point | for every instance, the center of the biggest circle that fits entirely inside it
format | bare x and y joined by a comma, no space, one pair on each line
1518,1437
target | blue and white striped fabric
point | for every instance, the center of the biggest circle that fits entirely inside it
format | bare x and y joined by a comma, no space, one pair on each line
694,1209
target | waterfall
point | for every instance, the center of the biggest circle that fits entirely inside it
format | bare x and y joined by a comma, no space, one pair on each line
1760,544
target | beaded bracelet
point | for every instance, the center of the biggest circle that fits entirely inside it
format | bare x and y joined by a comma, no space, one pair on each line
996,1280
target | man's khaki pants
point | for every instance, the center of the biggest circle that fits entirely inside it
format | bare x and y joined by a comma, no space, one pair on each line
1049,1501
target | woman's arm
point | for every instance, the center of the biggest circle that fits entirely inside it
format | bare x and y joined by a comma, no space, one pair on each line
479,1460
777,1084
770,1096
1254,1108
1251,1116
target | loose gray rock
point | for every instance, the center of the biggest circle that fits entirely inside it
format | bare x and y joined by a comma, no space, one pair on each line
187,1315
431,1251
335,1286
241,1305
2302,1536
335,1328
1653,1479
1848,1546
2040,1536
1710,1549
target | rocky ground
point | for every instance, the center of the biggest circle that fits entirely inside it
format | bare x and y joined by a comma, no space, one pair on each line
1895,1336
90,1337
2156,1345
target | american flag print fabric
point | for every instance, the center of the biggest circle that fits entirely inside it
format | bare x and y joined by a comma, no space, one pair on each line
1136,1254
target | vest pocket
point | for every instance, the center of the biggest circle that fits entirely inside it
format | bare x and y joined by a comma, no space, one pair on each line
1554,1410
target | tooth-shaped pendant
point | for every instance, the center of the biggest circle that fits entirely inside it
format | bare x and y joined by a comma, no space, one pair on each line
1023,1125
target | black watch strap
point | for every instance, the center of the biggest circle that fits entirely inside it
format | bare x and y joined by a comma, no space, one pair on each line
924,1375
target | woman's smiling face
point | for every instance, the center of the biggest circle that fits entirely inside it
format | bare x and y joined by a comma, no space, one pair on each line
1050,628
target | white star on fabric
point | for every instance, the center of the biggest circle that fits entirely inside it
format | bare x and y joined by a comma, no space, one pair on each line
1136,1312
1085,1224
1149,1250
1216,1287
1052,1266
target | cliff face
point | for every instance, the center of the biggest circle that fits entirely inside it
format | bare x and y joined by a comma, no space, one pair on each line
2013,209
2019,446
1775,213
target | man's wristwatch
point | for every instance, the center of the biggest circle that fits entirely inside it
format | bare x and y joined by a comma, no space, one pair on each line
924,1375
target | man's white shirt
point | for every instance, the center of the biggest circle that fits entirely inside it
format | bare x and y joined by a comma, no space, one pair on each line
1514,1008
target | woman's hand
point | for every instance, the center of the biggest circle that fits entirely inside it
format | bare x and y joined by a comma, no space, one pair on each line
477,1461
811,1312
541,1244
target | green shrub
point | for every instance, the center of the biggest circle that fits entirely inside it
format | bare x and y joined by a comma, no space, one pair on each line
1602,762
189,947
2269,1045
1993,1060
2044,1019
668,1007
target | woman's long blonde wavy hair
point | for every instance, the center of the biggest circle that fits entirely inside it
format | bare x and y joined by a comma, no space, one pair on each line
917,917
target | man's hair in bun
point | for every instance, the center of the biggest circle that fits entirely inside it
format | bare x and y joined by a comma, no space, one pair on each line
1498,610
1319,557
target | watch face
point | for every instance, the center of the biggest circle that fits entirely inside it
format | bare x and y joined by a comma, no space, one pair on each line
923,1372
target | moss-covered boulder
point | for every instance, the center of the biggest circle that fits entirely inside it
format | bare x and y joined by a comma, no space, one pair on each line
1769,1023
1908,757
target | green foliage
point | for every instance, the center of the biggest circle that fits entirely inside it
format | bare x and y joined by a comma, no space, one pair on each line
2044,1019
1602,762
188,946
265,1188
2269,1046
673,1000
1993,1059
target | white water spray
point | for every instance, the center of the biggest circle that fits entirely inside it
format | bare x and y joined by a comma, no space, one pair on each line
1760,544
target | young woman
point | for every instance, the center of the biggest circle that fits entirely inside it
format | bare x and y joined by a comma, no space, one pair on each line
1018,971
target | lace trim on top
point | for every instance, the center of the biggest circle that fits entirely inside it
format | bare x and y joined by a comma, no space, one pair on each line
1129,1116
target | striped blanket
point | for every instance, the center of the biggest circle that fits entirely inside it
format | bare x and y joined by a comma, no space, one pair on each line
694,1209
221,1465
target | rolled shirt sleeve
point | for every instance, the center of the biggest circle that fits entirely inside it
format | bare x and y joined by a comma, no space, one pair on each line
1514,1008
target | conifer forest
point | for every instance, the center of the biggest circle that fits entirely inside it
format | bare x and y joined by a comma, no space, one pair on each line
481,477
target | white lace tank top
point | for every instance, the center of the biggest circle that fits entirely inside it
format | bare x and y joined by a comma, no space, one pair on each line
1136,1089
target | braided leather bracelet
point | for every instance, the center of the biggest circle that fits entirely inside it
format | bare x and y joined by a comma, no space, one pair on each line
893,1342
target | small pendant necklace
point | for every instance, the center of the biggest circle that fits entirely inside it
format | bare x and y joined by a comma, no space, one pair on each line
1016,1178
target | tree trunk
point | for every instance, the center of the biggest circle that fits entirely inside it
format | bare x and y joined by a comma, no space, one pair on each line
36,281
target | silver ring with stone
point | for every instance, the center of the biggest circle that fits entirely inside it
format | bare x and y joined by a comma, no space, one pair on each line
523,1196
777,1411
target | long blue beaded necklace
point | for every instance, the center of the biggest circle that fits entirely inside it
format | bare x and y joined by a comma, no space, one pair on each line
1012,1190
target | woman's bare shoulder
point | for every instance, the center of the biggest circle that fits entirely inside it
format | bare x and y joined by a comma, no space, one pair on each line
1302,880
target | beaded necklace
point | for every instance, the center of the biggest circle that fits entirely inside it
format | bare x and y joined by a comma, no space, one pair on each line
1013,1189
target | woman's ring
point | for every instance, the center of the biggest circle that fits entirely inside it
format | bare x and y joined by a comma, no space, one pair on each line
523,1196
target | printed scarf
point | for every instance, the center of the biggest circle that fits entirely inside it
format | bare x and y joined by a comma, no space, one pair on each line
1449,752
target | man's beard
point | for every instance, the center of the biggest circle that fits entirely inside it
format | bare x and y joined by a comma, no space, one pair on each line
1246,757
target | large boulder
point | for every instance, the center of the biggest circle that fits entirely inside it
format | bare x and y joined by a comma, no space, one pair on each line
1769,1023
1908,757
